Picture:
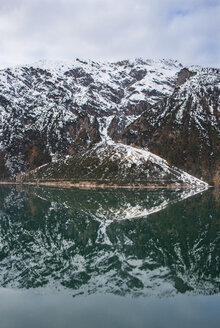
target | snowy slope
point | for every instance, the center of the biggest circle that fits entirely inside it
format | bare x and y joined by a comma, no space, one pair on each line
53,101
114,163
50,110
184,127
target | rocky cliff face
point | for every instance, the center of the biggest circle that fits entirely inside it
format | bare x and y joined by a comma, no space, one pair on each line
184,127
52,110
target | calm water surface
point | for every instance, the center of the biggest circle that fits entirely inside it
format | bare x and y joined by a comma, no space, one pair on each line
109,258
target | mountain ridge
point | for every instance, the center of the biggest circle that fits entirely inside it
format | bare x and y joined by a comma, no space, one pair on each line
52,110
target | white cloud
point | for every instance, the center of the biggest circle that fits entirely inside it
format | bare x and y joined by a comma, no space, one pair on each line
109,30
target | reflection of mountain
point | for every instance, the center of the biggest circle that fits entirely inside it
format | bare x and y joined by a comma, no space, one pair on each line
118,204
77,239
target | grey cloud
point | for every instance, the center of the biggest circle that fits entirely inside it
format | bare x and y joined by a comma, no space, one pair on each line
109,30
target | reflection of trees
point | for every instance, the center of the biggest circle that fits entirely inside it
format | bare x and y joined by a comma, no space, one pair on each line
65,237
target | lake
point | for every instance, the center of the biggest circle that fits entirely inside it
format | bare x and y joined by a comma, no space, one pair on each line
109,258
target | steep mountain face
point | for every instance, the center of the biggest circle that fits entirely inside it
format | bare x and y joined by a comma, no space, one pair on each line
112,163
49,111
184,127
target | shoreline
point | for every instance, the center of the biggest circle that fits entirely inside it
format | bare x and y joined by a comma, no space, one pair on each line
94,185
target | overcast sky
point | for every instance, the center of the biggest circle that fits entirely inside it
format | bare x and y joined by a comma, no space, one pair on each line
187,30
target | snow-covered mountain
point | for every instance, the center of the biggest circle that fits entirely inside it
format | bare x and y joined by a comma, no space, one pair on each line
50,110
184,128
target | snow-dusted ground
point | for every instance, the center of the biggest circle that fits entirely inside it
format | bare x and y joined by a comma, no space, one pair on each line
129,155
135,166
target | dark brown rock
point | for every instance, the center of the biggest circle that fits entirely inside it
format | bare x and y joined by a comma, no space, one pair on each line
183,76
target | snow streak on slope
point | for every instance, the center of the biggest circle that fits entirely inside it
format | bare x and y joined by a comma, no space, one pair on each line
49,101
50,110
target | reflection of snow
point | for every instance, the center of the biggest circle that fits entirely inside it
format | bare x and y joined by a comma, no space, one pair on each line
128,212
88,247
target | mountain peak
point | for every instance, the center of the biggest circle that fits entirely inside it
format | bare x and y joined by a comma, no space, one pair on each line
52,109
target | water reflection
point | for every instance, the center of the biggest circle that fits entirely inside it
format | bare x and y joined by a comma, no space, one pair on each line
102,241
